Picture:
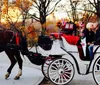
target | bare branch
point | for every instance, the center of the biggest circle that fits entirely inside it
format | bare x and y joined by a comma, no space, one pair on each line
92,3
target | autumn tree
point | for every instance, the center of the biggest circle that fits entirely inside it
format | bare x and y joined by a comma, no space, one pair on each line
42,9
96,5
24,6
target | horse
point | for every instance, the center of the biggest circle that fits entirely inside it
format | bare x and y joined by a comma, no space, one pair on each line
11,42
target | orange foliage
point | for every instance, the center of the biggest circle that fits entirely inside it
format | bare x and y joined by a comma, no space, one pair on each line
51,26
93,18
5,6
30,29
25,3
18,2
32,35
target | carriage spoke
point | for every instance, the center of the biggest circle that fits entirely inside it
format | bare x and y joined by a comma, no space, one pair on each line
57,64
67,76
53,71
59,79
54,75
98,64
68,72
62,63
54,67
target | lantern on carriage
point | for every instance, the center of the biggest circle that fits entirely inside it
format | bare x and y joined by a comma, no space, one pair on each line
68,28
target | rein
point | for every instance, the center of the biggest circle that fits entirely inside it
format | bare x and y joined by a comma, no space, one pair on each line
12,37
16,36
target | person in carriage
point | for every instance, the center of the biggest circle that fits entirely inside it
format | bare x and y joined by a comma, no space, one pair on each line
94,37
91,33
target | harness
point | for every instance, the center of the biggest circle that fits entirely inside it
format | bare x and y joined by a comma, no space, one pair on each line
17,39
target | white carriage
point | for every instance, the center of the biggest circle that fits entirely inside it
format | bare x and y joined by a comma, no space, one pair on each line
70,58
61,70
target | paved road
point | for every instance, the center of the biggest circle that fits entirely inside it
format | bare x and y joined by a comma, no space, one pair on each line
83,80
28,78
77,80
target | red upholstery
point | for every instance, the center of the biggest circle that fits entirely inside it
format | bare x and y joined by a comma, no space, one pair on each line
69,38
73,40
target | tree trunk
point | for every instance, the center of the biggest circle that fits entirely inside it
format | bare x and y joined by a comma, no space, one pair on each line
43,22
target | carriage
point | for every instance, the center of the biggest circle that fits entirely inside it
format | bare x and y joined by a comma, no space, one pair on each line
61,69
65,58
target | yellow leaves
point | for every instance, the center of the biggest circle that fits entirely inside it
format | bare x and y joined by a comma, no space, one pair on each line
12,13
24,3
4,9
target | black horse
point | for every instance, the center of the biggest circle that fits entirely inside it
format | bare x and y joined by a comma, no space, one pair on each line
13,44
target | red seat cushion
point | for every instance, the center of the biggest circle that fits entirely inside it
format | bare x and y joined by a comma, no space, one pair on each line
73,40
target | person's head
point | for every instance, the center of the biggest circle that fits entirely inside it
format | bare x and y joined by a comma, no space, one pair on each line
96,25
82,26
92,27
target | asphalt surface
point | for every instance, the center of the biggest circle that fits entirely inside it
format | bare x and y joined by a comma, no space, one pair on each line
77,80
32,75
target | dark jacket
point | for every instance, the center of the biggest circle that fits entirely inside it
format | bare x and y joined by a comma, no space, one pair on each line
97,37
86,34
91,38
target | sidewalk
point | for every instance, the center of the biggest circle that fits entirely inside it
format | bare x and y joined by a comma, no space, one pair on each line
32,75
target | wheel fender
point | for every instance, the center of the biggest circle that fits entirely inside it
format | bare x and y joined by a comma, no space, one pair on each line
70,58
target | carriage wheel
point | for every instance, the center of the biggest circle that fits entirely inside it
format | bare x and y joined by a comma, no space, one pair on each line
45,68
96,71
61,71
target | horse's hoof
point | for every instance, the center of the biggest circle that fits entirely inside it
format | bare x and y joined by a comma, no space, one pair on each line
16,78
6,76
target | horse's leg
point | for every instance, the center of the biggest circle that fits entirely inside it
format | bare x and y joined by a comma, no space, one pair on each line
13,62
20,62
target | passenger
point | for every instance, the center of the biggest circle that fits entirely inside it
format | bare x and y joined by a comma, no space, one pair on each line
83,32
97,34
94,39
91,40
